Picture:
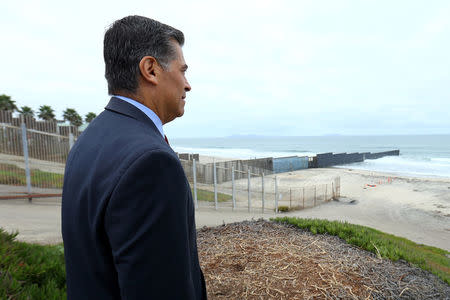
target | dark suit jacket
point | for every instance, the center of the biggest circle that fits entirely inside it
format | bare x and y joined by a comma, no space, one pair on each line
127,213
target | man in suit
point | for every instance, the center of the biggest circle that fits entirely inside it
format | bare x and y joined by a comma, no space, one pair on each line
127,211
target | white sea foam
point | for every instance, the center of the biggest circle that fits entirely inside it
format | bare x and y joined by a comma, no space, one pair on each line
405,166
443,160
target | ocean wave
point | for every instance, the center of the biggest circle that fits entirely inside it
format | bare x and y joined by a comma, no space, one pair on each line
442,159
405,166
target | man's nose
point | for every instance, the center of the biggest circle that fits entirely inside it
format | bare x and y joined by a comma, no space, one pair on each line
187,87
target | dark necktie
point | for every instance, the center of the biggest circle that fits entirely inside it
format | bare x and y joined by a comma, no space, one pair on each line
167,141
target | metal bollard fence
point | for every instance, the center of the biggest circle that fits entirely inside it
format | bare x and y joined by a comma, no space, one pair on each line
233,188
276,195
249,190
215,186
262,190
236,189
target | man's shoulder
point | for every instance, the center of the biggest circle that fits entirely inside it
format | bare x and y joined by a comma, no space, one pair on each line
118,140
157,157
112,119
112,126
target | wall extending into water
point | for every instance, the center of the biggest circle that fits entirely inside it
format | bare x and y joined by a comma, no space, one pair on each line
329,159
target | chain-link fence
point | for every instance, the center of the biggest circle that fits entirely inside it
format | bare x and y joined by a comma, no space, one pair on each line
255,189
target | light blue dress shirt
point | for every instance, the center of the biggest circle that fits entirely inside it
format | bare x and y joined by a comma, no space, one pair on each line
147,111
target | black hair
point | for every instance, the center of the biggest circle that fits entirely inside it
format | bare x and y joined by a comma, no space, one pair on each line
127,41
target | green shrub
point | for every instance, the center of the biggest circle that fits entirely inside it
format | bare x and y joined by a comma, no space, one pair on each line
29,271
283,208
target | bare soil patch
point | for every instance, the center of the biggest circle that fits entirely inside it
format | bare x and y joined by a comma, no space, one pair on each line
265,260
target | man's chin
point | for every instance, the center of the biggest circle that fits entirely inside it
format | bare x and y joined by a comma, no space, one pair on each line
181,111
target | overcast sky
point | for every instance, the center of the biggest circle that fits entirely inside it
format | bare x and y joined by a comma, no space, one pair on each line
255,67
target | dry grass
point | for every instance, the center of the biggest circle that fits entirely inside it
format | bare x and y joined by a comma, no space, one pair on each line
264,260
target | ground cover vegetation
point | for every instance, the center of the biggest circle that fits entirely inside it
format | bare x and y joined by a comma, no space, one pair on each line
30,271
13,175
432,259
205,195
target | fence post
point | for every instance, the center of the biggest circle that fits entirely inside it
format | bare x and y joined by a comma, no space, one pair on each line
303,197
233,187
332,190
26,157
338,187
215,185
262,188
315,190
326,190
249,188
71,140
276,195
194,174
290,198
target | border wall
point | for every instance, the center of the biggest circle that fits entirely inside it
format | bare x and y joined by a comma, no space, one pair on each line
382,154
288,164
261,163
258,166
329,159
274,165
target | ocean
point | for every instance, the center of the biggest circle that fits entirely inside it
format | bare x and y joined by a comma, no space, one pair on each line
420,155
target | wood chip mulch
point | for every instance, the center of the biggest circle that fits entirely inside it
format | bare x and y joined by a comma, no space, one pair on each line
265,260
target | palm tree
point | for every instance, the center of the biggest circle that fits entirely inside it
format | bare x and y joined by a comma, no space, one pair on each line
26,111
6,103
72,116
46,113
89,117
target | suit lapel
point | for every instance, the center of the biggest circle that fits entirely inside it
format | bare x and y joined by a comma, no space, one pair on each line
122,107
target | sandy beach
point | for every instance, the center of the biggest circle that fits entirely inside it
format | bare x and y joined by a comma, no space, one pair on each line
414,208
207,159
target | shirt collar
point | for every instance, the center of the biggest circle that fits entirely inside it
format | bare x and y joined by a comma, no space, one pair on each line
147,111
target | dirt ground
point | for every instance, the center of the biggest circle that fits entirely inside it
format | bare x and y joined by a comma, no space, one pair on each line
263,260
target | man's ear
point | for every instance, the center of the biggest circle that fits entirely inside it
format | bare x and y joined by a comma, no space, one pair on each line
149,68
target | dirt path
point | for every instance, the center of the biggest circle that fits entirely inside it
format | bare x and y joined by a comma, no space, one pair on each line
43,165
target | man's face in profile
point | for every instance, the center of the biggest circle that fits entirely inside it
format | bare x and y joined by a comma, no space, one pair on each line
173,85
